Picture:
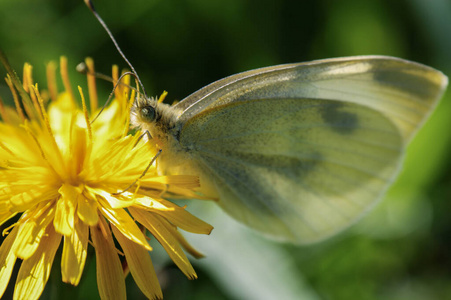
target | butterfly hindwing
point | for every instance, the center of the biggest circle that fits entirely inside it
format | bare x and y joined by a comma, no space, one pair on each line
296,169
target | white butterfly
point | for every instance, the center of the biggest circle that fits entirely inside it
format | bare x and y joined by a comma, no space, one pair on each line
297,151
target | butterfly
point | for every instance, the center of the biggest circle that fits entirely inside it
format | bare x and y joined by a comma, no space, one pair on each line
297,151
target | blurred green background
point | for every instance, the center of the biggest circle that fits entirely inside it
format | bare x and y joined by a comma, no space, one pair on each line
401,250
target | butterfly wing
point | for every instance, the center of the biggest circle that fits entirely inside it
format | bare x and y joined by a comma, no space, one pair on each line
406,92
296,169
301,151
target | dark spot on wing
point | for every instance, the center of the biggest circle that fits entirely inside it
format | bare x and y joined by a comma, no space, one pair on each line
404,81
340,121
243,175
280,164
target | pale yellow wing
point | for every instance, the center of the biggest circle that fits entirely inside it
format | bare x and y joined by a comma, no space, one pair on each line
300,151
295,169
406,92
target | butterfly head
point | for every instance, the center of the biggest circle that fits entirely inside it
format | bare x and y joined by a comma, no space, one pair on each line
144,113
149,114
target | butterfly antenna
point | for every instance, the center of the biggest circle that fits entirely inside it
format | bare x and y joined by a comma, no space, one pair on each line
83,69
112,93
91,7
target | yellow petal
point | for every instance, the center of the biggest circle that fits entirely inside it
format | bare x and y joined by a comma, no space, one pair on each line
110,277
172,191
31,232
65,209
185,181
182,241
148,202
7,260
141,266
78,150
74,254
115,201
22,200
35,271
154,224
87,211
5,216
33,193
60,113
183,219
120,219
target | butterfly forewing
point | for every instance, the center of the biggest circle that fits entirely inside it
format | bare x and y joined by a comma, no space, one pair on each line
405,91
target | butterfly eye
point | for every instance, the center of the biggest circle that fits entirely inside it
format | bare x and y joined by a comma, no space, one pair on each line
148,113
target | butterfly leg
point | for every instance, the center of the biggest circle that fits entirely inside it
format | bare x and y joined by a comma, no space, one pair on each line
146,169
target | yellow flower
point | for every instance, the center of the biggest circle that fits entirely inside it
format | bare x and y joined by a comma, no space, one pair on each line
63,179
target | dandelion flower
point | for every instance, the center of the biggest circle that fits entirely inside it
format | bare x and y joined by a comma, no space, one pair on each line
62,180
